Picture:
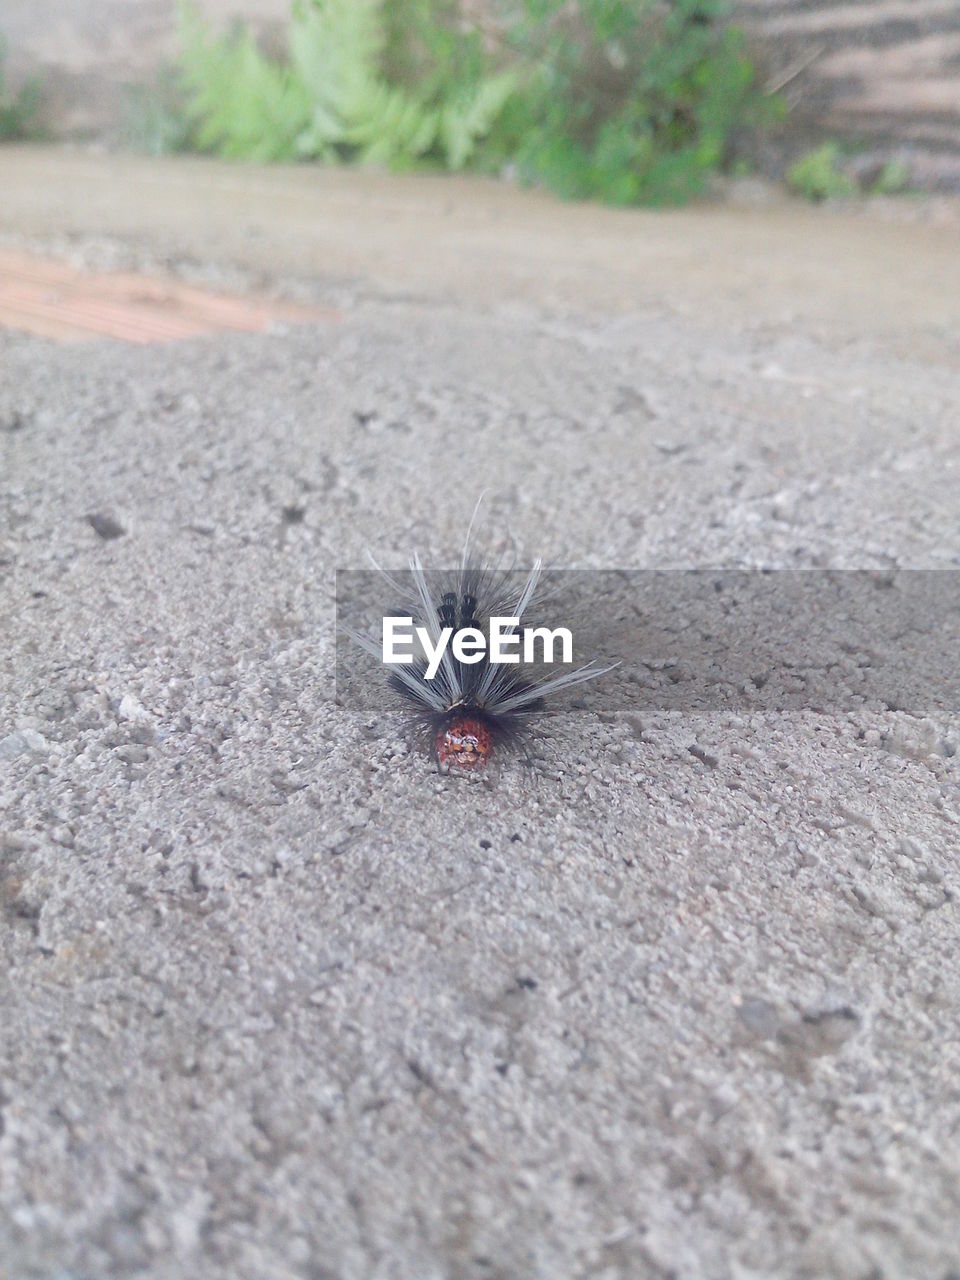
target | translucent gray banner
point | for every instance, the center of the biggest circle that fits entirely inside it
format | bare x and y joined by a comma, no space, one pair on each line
699,640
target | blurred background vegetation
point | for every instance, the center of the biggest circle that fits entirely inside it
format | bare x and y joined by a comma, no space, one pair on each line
627,101
18,111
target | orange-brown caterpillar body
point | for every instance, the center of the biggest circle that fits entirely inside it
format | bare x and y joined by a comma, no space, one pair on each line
464,742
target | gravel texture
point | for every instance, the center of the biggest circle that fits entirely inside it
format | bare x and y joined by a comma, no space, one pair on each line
279,1003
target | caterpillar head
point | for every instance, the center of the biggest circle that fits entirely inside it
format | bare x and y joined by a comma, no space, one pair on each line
463,742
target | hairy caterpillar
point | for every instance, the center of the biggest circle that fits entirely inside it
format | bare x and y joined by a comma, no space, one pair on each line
469,708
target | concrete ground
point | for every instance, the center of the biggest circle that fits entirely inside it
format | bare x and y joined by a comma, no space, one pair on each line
278,1002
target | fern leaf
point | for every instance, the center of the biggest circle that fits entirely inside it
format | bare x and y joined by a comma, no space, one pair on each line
464,123
390,127
245,106
335,48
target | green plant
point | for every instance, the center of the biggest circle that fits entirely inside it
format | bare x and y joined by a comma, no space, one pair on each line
242,105
818,176
430,52
17,113
633,100
332,100
623,100
893,179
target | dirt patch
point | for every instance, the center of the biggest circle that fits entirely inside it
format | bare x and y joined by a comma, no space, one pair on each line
44,296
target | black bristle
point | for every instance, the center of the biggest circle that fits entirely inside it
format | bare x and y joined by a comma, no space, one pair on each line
478,702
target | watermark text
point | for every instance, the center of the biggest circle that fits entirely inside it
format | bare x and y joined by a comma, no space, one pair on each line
469,645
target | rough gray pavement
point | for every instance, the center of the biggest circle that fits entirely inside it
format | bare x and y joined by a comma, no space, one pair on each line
279,1003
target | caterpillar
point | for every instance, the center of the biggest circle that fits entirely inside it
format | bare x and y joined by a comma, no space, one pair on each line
472,706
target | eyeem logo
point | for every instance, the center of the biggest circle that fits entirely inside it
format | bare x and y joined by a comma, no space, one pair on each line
469,644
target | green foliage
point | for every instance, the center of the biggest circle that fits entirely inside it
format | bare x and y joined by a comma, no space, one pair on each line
429,51
622,100
332,100
893,179
818,176
18,113
632,100
243,105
